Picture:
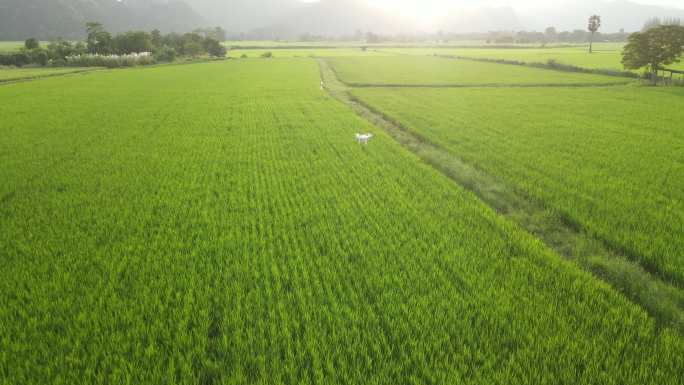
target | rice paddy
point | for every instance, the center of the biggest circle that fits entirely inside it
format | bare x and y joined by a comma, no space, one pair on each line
434,71
218,223
608,159
10,46
606,56
305,53
11,73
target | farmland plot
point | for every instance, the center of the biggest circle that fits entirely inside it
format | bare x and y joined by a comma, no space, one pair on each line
434,71
10,46
304,52
217,223
9,74
609,159
605,56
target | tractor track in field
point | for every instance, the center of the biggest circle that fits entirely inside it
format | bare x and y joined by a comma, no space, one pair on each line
52,75
664,301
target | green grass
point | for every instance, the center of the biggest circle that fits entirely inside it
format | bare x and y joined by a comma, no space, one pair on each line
432,71
309,52
609,160
286,44
338,44
217,223
605,56
8,74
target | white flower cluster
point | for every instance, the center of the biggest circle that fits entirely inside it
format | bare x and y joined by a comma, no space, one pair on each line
110,61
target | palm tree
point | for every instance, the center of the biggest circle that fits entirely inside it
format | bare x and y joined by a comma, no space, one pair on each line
594,25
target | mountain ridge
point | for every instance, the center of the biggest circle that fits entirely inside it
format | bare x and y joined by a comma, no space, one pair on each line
289,19
50,19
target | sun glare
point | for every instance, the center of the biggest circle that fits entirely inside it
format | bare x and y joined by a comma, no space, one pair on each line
424,11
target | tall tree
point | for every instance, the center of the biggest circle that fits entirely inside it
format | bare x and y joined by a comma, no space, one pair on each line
593,27
132,42
214,48
32,43
98,41
156,38
654,48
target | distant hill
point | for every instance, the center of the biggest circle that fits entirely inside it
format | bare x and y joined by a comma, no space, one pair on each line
48,19
615,15
343,17
245,15
336,18
482,19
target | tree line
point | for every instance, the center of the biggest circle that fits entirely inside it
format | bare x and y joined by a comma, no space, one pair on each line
100,42
550,35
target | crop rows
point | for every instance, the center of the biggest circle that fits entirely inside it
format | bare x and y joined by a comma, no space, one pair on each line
217,223
606,56
609,160
411,70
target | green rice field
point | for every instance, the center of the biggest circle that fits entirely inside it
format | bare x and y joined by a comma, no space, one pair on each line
435,71
608,159
285,44
304,53
219,223
11,73
10,46
606,56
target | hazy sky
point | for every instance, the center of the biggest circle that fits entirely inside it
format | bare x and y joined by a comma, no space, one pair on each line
515,3
425,10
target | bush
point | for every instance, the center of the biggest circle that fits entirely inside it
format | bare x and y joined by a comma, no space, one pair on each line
131,42
214,48
16,59
59,50
192,49
58,62
165,54
32,43
38,56
267,55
